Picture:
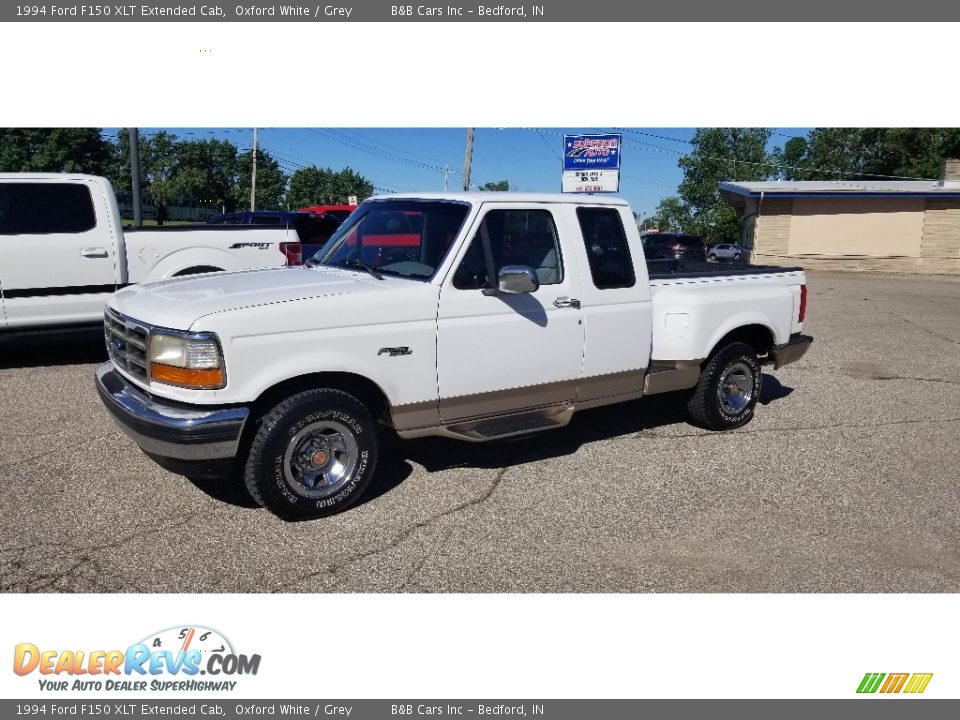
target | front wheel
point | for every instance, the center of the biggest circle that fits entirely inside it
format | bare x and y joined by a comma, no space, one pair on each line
313,455
712,257
728,389
736,256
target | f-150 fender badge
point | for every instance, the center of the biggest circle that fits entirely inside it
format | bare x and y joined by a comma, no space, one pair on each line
395,351
258,246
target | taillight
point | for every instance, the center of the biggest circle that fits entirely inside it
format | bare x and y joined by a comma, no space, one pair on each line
293,251
803,303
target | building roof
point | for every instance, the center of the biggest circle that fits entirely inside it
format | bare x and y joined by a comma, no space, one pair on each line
843,188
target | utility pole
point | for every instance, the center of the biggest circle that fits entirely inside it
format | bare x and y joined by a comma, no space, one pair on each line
253,174
446,174
134,135
468,160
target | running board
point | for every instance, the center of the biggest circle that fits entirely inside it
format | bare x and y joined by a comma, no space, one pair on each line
510,425
502,426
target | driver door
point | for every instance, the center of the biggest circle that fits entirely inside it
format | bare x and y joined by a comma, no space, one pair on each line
499,353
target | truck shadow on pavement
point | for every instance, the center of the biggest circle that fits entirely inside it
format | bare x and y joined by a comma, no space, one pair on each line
772,390
45,348
439,454
604,423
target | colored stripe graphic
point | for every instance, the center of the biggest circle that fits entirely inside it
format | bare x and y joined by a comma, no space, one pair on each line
894,682
870,682
918,683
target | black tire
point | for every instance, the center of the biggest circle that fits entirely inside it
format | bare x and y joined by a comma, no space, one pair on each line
326,425
713,409
736,256
711,257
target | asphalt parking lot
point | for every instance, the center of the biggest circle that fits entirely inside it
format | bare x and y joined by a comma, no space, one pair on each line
846,481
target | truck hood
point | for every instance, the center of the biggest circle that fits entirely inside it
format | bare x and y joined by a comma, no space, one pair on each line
181,302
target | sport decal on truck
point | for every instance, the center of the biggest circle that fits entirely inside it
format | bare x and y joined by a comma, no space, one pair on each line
258,246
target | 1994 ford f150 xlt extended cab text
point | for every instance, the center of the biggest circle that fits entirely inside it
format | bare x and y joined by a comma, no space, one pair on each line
63,251
508,313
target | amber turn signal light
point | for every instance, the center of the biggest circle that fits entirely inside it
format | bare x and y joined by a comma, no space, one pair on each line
209,378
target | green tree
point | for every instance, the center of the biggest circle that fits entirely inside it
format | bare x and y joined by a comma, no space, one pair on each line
671,214
825,154
499,186
271,181
158,165
721,155
907,152
54,150
868,153
118,170
323,186
207,171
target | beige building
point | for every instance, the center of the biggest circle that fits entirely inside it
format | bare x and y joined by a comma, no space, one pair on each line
894,226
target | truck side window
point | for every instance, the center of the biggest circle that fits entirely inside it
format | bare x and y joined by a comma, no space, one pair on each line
46,208
517,237
610,263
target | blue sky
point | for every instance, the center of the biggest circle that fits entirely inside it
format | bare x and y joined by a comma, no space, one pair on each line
401,159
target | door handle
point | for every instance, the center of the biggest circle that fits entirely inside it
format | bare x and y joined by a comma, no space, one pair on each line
562,302
94,252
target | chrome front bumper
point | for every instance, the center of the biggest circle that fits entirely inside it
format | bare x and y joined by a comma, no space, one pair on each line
167,429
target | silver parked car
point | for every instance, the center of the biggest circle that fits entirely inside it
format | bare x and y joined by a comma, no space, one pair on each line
725,252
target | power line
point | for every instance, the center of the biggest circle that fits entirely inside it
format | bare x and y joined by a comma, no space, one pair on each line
658,137
549,146
343,139
392,147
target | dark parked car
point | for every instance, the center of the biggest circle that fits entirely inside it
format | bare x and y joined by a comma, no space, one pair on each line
674,246
314,229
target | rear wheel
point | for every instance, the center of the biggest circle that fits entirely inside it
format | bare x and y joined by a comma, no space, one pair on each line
313,455
728,389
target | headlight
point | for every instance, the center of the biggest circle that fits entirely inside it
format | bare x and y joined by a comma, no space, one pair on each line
187,361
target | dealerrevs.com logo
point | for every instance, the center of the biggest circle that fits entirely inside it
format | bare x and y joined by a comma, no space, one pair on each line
172,659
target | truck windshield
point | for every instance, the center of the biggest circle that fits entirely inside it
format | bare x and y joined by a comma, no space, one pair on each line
405,238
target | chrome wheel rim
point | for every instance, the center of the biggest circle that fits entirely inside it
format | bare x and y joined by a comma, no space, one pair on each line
320,459
736,388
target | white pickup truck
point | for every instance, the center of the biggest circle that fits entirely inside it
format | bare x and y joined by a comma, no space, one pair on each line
505,314
63,251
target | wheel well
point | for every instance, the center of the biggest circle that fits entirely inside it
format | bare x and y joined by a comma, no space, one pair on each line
759,337
197,269
363,389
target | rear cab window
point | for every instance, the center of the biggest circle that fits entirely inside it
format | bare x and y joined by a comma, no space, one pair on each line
46,208
608,253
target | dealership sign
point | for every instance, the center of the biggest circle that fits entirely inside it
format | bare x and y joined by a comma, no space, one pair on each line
591,163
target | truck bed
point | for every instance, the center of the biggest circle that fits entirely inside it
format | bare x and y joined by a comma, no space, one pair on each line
695,304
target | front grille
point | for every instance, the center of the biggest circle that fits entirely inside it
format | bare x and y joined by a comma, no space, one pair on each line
127,342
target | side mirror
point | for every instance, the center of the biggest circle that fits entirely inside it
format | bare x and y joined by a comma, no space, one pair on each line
517,279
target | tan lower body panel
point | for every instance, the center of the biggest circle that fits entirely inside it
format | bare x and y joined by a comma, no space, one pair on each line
546,400
671,379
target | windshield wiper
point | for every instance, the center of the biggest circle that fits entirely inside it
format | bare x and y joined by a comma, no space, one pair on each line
354,263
